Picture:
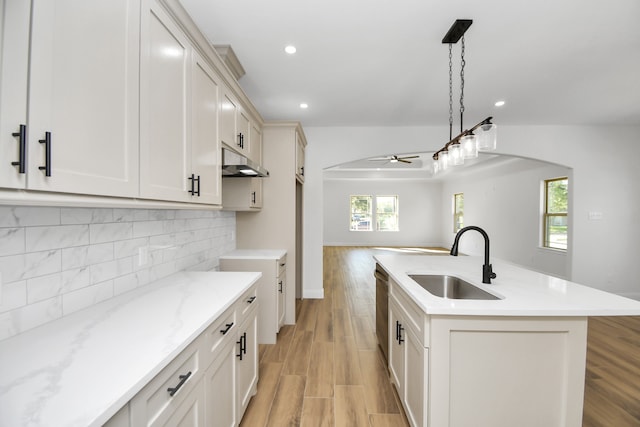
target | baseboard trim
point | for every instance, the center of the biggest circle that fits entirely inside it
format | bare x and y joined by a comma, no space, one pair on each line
313,293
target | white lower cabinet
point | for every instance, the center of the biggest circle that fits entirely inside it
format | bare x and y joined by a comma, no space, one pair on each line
220,388
407,364
210,382
169,395
247,362
271,286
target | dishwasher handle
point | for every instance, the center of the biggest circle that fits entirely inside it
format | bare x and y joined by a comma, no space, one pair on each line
381,275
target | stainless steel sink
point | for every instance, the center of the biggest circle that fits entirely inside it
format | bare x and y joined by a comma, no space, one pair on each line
450,287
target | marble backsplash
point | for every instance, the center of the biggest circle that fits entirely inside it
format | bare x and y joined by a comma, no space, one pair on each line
55,261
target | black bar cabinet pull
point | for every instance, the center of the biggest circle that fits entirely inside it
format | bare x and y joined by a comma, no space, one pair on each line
47,153
302,170
198,180
244,343
192,178
226,329
240,140
280,288
22,149
183,379
400,329
242,349
397,330
253,197
250,300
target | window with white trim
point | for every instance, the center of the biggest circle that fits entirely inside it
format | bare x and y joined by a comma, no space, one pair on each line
554,216
367,210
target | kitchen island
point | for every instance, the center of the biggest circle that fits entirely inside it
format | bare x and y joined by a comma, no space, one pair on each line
515,360
82,369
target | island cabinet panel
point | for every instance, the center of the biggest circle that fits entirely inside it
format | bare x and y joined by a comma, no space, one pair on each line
506,371
79,132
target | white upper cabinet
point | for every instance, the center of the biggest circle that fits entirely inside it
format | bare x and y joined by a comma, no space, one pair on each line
255,144
236,128
179,148
82,119
165,131
205,148
14,45
300,148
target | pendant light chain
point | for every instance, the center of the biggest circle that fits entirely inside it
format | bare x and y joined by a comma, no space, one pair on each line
462,64
467,144
450,92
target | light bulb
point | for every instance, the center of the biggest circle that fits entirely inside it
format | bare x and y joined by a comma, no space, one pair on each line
456,154
487,137
469,145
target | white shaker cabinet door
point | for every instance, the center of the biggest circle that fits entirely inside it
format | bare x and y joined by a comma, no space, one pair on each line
205,146
14,59
165,128
83,97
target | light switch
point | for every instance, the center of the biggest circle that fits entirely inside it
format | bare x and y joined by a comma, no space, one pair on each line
595,216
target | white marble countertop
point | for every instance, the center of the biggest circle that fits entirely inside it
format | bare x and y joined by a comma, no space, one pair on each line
80,370
255,254
523,292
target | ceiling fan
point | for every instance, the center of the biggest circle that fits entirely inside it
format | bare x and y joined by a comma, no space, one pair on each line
394,159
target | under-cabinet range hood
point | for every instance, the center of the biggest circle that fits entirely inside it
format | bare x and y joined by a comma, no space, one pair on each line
236,165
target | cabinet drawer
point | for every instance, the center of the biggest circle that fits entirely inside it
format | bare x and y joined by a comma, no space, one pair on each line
220,331
282,266
247,301
166,391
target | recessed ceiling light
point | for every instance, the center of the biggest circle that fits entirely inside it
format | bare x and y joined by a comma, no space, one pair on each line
499,103
304,106
290,49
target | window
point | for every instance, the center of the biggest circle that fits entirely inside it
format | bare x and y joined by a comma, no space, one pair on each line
458,210
361,213
387,213
554,222
364,207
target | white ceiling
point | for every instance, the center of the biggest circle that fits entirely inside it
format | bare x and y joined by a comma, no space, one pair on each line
382,63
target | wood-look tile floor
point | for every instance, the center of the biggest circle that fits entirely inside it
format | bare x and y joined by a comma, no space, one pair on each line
327,370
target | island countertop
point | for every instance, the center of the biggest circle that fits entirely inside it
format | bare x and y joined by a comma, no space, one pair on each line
523,292
81,369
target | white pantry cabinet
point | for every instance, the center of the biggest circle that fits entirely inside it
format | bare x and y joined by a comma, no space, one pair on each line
180,159
81,133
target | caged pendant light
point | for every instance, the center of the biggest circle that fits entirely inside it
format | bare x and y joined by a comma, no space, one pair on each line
482,136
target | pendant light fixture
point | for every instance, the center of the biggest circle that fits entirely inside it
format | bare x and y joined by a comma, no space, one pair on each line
482,136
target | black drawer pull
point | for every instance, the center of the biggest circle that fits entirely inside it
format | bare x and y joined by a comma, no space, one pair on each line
225,330
183,379
280,288
22,149
47,154
400,338
250,300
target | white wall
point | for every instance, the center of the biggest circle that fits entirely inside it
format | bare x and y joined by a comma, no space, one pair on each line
418,206
55,261
603,253
505,201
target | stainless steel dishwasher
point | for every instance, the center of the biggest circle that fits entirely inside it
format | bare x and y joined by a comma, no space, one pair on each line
382,309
